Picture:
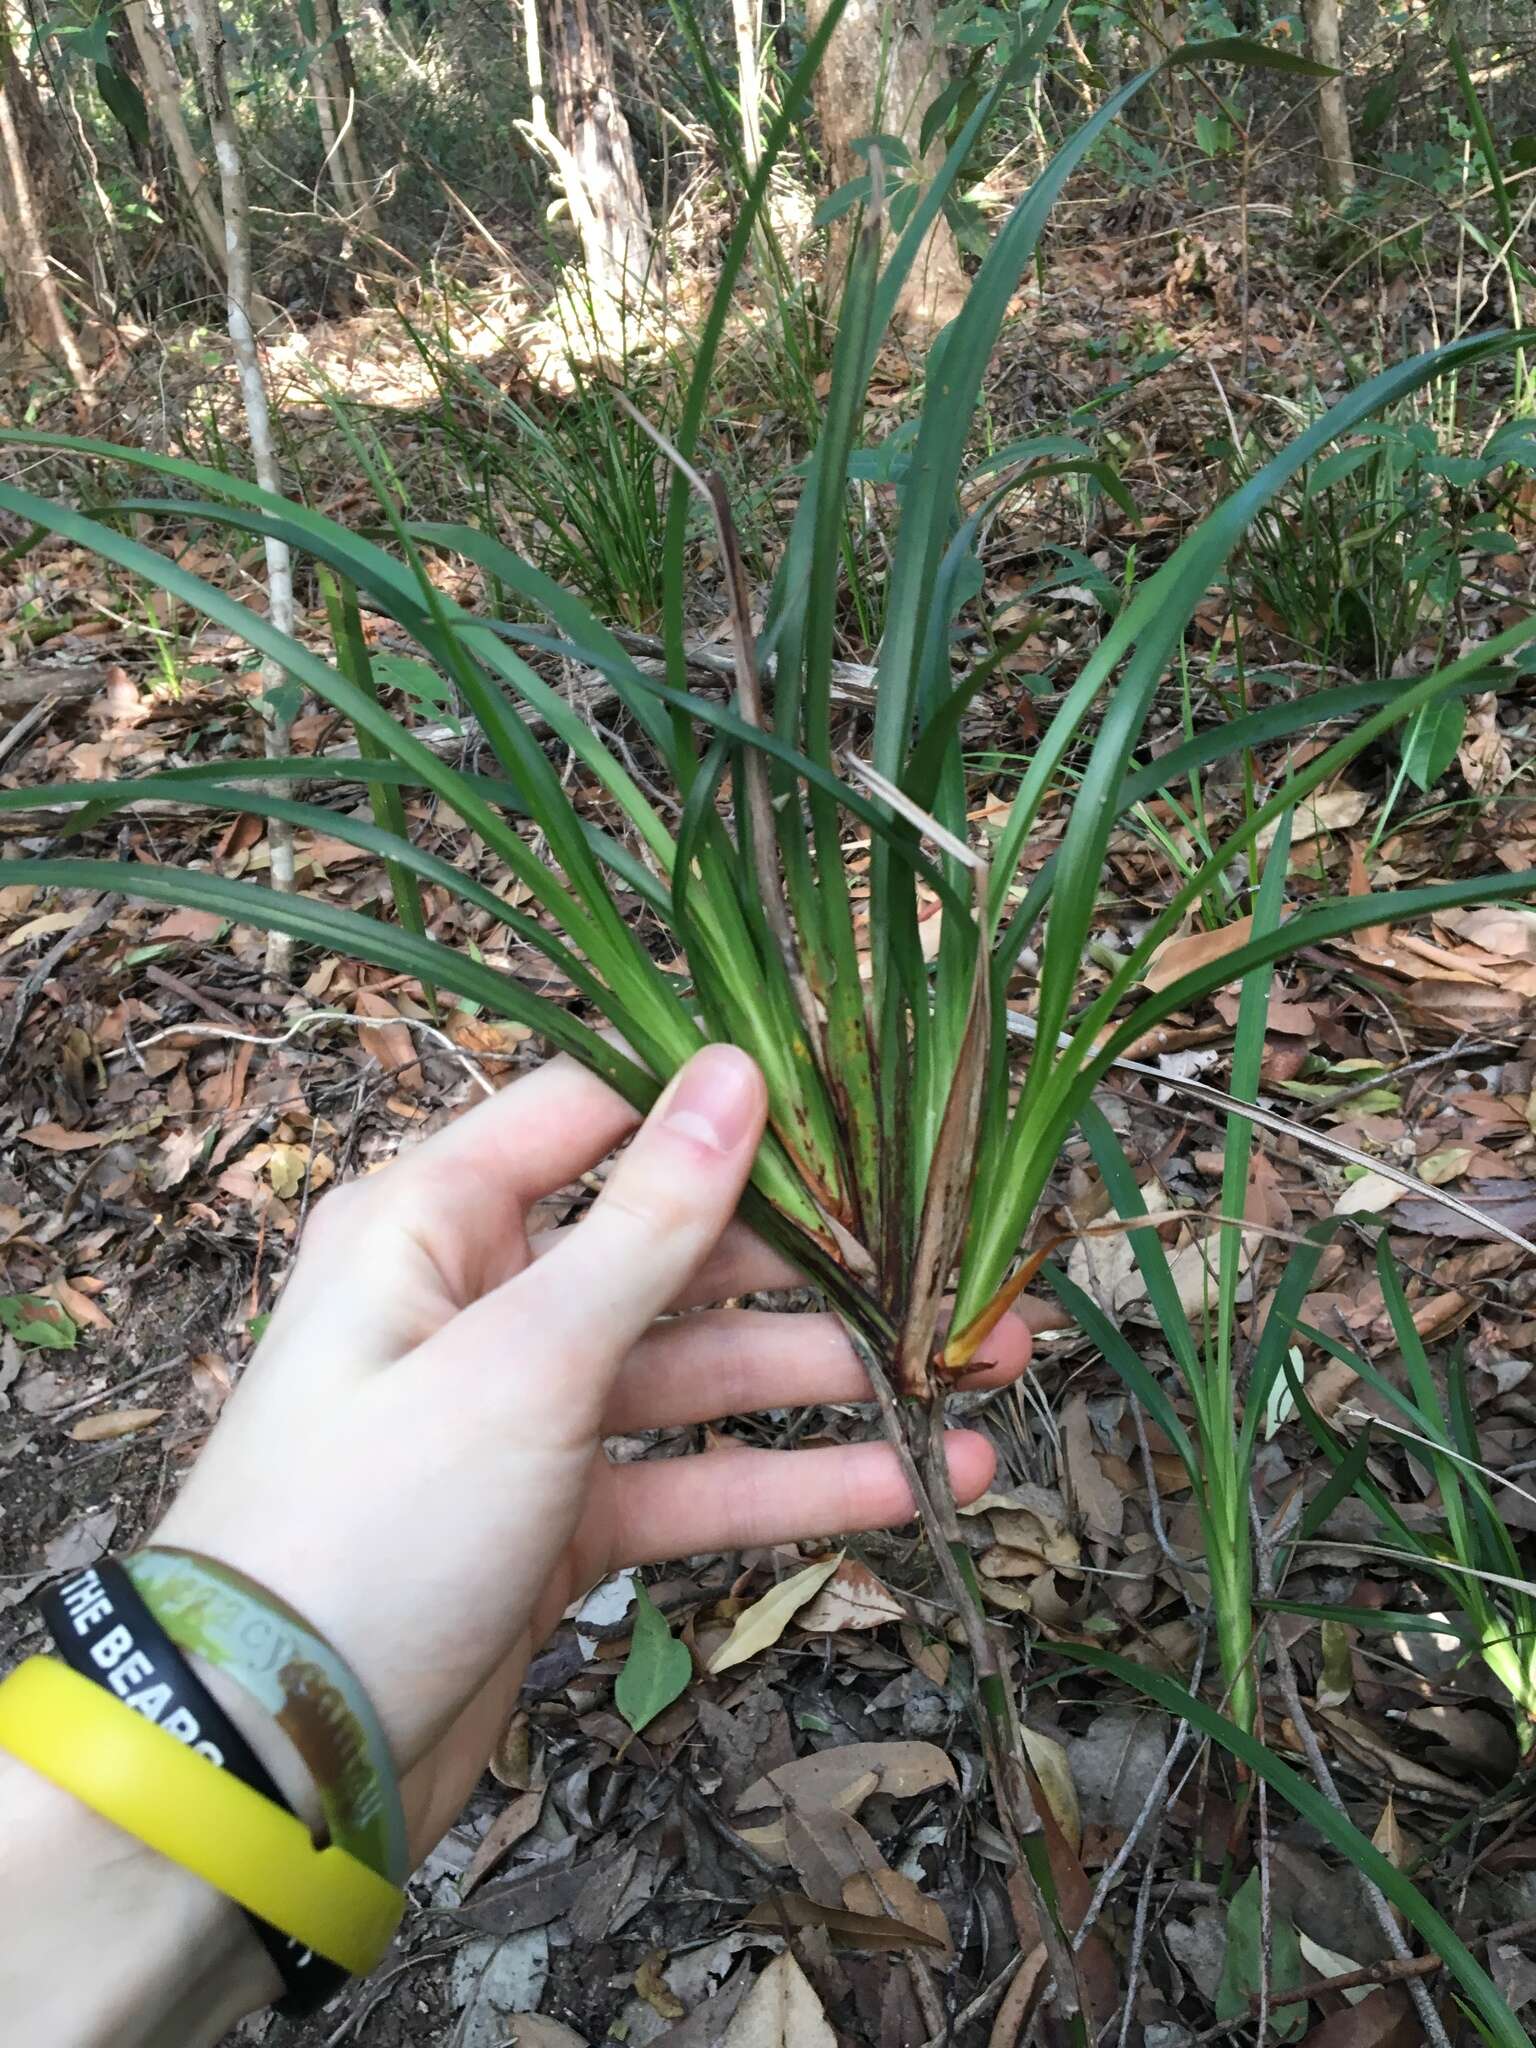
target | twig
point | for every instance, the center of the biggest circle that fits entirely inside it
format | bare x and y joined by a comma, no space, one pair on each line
28,724
23,688
1150,1805
930,2005
1267,1120
90,923
365,2006
1469,1048
1154,1491
306,1021
152,1372
983,2002
1399,1970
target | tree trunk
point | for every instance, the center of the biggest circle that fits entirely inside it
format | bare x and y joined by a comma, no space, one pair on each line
162,89
1166,30
589,143
747,21
208,40
1338,158
30,195
333,82
883,69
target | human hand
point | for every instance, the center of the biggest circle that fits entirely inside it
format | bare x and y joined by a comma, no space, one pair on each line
414,1457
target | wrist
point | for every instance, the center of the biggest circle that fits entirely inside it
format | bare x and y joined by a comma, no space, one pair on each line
171,1961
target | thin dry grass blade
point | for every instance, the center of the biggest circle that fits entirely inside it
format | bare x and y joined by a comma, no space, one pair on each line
1304,1135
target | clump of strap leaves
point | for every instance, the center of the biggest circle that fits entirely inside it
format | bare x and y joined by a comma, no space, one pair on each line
902,1167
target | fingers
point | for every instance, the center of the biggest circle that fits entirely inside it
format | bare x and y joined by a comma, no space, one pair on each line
721,1362
739,1264
731,1500
535,1135
573,1315
464,1194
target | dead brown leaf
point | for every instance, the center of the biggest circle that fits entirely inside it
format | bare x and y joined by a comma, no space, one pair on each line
54,1138
77,1304
853,1598
1099,1501
1330,810
1018,2002
389,1041
1505,929
826,1847
857,1930
1466,1006
532,2030
1183,955
900,1769
780,2011
1484,756
501,1837
201,926
1513,1202
886,1894
1386,2019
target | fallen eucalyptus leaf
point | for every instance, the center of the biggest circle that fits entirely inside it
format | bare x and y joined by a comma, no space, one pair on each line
781,2011
761,1625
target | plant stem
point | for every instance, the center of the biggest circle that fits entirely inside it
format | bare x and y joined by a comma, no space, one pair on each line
915,1433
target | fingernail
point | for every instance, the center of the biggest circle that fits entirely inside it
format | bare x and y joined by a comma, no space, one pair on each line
717,1098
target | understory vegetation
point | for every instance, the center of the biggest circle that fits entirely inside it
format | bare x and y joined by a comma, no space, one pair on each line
986,559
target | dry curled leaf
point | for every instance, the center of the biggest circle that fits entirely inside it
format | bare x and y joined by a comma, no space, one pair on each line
654,1988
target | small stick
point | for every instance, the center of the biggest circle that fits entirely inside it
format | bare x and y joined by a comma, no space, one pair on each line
306,1021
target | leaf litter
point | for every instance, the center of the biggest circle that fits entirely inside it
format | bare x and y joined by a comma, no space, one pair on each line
782,1810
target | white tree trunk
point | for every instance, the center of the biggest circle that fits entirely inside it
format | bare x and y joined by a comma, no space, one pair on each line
1338,165
208,38
747,21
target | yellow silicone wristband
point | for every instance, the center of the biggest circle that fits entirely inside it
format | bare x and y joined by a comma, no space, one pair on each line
150,1785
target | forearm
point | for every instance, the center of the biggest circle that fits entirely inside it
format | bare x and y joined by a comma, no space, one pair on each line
103,1944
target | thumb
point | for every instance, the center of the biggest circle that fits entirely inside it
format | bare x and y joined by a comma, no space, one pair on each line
582,1306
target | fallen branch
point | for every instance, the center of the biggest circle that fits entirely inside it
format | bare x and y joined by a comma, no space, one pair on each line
25,687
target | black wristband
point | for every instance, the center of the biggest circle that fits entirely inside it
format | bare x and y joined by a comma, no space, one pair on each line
104,1631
